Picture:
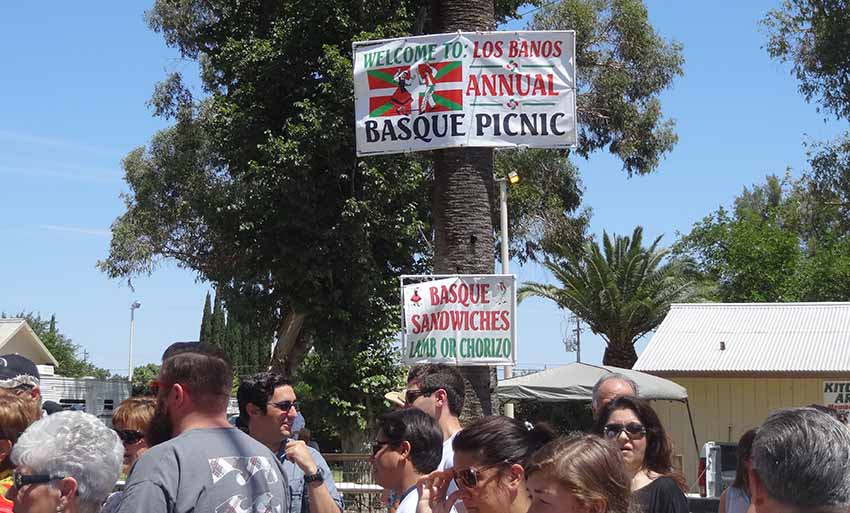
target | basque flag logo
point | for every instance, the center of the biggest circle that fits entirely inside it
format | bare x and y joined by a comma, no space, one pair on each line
423,88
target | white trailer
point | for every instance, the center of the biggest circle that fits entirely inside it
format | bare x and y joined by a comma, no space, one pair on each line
96,396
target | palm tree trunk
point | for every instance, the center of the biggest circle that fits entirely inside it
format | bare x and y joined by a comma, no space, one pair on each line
464,201
620,354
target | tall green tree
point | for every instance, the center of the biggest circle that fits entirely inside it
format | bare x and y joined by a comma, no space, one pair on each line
255,185
622,290
783,240
342,389
623,67
206,321
142,378
218,324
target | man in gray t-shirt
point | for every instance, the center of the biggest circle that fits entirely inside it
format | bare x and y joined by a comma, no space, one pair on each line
197,461
220,470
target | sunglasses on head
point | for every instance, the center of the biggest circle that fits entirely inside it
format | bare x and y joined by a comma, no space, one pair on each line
410,396
129,436
22,389
285,406
634,430
470,477
20,480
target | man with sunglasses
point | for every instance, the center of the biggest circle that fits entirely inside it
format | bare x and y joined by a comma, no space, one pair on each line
438,390
408,446
197,460
268,409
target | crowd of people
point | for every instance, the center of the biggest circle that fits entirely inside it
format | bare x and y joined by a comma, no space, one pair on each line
180,453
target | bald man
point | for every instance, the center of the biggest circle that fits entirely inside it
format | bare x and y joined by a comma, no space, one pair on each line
608,387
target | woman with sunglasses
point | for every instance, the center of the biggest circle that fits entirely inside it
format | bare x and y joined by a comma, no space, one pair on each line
130,421
16,414
490,456
409,445
633,426
578,474
65,463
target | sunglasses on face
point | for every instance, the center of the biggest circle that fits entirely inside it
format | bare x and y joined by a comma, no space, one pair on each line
634,430
20,480
377,446
285,406
470,477
410,396
129,436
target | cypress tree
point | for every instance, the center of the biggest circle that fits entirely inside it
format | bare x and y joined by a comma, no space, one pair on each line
206,320
249,351
218,324
234,345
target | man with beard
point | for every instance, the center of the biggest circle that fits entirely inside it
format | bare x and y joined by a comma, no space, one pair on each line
268,407
197,460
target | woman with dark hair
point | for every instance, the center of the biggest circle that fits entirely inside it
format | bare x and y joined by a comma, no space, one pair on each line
736,498
647,452
578,474
490,456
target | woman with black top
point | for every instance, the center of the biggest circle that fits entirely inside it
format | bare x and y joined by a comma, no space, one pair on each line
634,427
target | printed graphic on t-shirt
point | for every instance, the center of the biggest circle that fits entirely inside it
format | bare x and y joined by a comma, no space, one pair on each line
246,468
265,503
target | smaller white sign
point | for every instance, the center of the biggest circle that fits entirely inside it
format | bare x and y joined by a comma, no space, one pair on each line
836,394
459,320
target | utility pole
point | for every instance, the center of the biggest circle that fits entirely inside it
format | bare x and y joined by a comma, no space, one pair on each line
463,200
578,339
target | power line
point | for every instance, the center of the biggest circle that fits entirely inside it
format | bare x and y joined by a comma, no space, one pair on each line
547,4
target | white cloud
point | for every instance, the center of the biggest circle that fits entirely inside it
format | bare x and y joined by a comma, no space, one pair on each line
58,143
76,229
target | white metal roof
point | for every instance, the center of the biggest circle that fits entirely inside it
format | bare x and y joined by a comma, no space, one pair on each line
758,337
35,349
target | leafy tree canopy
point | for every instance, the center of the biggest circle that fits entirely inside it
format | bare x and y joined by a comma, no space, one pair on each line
783,240
623,66
142,378
256,186
814,37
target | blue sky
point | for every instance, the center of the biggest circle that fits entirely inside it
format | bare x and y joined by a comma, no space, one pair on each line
72,104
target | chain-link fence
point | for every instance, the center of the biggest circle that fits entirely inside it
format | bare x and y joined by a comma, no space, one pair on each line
352,474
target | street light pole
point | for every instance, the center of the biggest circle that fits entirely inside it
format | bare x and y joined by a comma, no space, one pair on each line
133,307
503,214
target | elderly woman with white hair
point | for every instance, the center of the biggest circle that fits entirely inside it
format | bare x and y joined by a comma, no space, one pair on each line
66,462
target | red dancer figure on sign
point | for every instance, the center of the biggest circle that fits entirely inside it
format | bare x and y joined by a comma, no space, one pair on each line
401,98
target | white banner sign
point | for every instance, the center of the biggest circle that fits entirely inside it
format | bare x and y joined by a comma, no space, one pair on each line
463,320
465,89
836,394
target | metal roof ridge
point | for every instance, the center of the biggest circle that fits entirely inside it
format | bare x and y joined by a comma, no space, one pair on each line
763,305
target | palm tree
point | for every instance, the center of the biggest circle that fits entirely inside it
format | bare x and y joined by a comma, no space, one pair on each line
463,202
622,290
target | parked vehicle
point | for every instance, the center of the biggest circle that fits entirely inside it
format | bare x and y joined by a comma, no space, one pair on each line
95,396
717,465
